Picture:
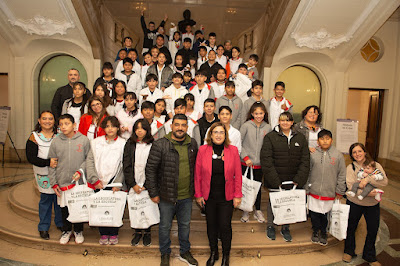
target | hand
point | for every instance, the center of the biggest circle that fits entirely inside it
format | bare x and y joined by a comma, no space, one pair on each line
57,190
123,129
156,199
115,189
236,202
251,73
249,163
312,150
137,189
53,162
372,193
165,17
234,75
142,12
338,197
284,106
201,201
167,97
363,183
99,186
364,174
76,176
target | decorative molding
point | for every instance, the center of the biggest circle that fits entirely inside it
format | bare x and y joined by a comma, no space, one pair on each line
320,39
43,26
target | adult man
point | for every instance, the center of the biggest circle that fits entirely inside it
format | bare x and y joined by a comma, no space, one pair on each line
163,49
170,182
211,67
64,93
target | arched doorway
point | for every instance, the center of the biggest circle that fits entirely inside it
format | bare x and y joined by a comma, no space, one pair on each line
53,75
303,88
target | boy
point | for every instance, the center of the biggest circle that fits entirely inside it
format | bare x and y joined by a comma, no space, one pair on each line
211,67
163,49
186,51
149,33
256,96
188,34
278,104
219,84
132,80
151,92
242,82
147,62
187,80
136,68
173,92
70,149
234,102
202,56
147,110
164,72
201,91
107,78
327,181
209,118
212,40
200,41
252,67
180,108
127,46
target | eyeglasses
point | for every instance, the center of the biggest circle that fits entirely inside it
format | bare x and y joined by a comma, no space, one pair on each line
218,132
95,104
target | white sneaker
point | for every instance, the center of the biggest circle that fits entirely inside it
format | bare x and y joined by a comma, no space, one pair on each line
79,237
66,235
259,216
245,217
350,194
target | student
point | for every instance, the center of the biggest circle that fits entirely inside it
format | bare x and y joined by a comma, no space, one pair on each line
122,54
100,90
202,56
200,41
234,102
327,181
209,117
37,149
278,104
188,34
211,67
150,32
154,54
161,32
127,46
136,68
252,67
175,44
186,51
242,82
147,62
76,106
201,91
90,122
228,49
117,101
173,92
107,78
70,148
179,67
147,110
252,133
219,84
212,40
190,112
192,66
128,115
256,96
160,113
187,80
234,61
180,106
151,92
162,71
221,58
163,49
131,79
104,166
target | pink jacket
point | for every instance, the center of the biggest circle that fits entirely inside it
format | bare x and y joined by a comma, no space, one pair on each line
233,172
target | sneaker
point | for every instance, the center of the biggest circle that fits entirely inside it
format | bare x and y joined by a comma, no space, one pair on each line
203,212
136,239
113,240
378,196
259,216
360,197
103,240
285,232
271,233
315,237
147,239
323,239
165,260
245,217
351,194
79,237
188,258
65,236
44,234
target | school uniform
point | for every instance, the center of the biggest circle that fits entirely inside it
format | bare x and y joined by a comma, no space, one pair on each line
201,95
175,94
164,75
219,89
127,119
190,36
275,110
236,105
136,67
151,96
211,70
132,81
201,61
249,102
233,65
114,107
74,109
143,74
223,60
109,83
242,86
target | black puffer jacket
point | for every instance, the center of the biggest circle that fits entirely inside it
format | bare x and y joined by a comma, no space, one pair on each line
281,161
128,163
162,169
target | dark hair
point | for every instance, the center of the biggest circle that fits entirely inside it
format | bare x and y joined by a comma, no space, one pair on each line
165,111
192,57
257,83
151,76
226,108
253,107
152,22
114,122
148,105
127,60
279,83
362,146
220,45
316,108
66,116
203,48
254,56
212,51
180,117
187,40
230,84
38,128
107,99
324,132
236,48
85,96
163,53
212,34
114,94
178,75
187,74
208,136
198,32
177,57
92,113
133,50
148,138
160,36
201,72
222,69
209,100
286,115
243,65
107,65
180,102
369,161
133,96
189,96
127,37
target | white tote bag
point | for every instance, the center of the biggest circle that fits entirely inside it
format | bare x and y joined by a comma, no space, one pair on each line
106,208
250,190
77,201
288,206
339,220
143,212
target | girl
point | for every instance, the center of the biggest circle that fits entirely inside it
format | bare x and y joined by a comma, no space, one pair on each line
252,134
128,115
160,114
192,66
136,152
104,166
175,44
101,91
37,149
107,78
234,62
178,65
190,112
90,122
117,101
221,58
154,54
76,106
219,84
147,62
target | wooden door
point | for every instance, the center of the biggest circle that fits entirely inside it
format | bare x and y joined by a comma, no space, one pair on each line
374,123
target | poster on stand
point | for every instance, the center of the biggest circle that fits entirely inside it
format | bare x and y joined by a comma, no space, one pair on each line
4,117
346,134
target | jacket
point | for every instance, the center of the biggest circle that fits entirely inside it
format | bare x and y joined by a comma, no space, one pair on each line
148,34
303,128
249,102
327,174
166,75
236,105
210,70
204,125
128,163
186,55
162,169
84,125
283,159
252,140
201,95
232,171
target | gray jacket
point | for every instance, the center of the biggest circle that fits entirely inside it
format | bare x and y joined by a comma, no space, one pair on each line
166,75
236,105
71,154
248,103
303,128
252,140
327,173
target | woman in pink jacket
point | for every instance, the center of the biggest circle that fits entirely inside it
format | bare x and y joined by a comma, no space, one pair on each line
218,188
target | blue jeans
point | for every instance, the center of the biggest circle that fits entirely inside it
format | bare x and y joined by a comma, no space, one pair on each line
183,211
45,208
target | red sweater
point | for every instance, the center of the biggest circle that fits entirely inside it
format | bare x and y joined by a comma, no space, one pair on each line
86,121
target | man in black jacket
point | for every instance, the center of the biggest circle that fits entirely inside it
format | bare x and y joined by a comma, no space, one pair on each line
149,33
170,182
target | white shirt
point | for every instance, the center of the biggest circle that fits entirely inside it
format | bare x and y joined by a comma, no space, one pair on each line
191,124
234,64
223,60
242,85
151,97
159,71
174,93
141,154
134,84
194,115
219,89
120,67
143,74
128,121
200,96
275,110
200,61
313,138
234,137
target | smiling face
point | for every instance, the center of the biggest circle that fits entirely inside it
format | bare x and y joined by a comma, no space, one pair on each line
132,55
119,89
96,106
218,135
358,154
311,116
128,42
176,36
258,115
209,108
46,121
285,124
152,83
279,91
220,51
122,54
147,59
211,56
161,59
179,128
73,76
221,75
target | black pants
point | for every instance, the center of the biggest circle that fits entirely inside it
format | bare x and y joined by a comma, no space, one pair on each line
258,176
67,225
319,221
139,231
219,217
108,231
371,215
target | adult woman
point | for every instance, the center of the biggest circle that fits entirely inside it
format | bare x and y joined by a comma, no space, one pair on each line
368,207
90,122
310,125
218,187
284,157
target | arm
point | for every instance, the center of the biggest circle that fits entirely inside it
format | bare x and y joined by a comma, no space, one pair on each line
341,181
238,175
152,168
198,175
304,167
32,150
380,183
243,153
52,171
143,23
127,165
196,135
91,172
64,108
271,178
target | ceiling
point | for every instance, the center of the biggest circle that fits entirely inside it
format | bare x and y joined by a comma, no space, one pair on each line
227,18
